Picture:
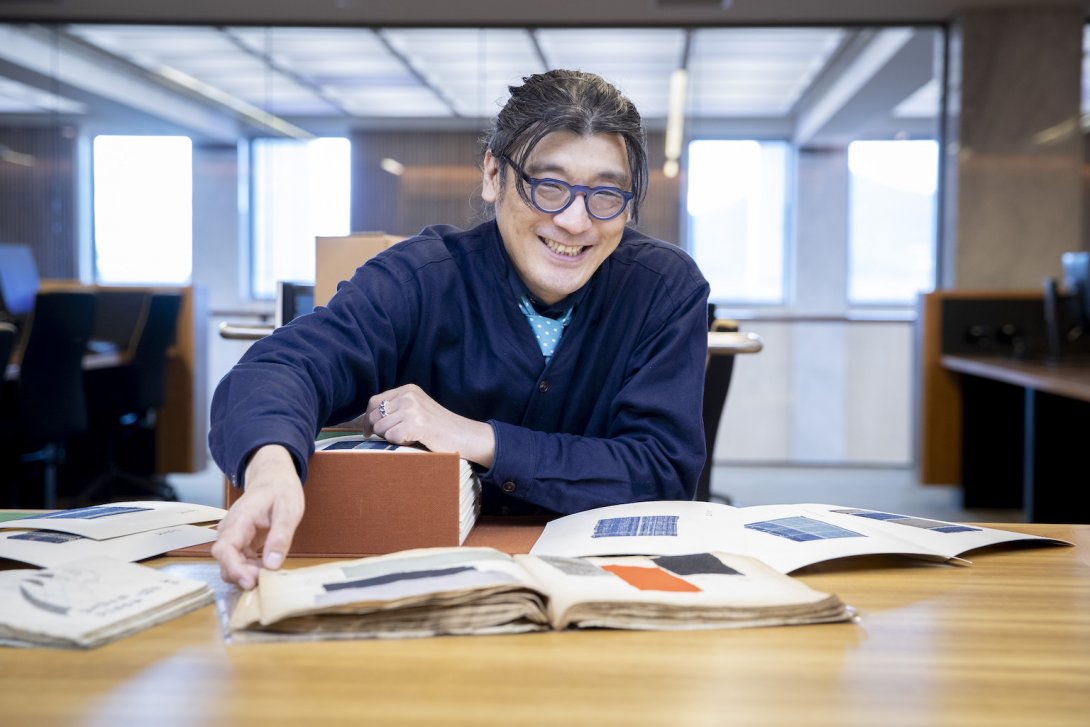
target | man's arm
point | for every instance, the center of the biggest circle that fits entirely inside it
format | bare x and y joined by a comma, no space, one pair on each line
258,530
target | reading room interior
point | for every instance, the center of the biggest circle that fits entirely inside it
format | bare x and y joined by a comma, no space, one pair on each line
889,201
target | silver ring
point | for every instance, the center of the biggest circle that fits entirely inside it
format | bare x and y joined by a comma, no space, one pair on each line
382,411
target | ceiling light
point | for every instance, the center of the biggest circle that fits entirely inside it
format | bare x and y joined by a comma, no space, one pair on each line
675,120
9,155
251,112
393,166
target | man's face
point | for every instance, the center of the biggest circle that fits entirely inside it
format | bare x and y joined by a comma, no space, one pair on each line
556,254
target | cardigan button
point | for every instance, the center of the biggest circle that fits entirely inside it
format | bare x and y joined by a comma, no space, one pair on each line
508,486
543,385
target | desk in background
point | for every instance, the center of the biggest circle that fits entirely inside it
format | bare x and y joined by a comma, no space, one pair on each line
994,416
1026,427
1004,642
182,422
91,361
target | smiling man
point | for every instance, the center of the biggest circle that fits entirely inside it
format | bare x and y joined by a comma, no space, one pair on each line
555,347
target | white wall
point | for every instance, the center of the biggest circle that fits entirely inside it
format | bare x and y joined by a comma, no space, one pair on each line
827,393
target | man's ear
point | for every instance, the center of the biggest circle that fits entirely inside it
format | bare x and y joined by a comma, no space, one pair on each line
490,178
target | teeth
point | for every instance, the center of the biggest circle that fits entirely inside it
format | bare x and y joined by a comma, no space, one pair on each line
568,250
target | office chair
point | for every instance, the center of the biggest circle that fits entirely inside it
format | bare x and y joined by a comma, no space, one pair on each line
8,334
51,404
125,399
119,317
8,420
717,374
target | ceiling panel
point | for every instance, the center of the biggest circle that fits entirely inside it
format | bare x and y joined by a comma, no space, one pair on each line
386,73
639,62
387,102
756,72
19,98
923,104
156,41
471,68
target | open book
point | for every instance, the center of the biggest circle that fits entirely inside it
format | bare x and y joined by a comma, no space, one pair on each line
433,591
786,537
126,531
86,603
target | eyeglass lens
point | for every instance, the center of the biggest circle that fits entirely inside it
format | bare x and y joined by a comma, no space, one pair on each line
552,197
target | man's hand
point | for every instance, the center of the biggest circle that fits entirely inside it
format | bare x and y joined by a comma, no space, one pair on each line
258,529
406,415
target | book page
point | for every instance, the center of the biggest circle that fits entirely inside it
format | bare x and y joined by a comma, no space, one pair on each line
119,518
697,590
378,583
88,602
789,537
651,528
49,548
786,537
948,538
363,444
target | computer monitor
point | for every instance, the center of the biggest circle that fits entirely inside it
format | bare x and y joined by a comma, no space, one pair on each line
18,281
293,300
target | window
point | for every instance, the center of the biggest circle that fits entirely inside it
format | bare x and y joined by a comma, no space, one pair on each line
301,190
143,209
737,204
892,220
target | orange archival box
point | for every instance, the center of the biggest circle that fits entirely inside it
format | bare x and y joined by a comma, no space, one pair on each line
336,258
377,502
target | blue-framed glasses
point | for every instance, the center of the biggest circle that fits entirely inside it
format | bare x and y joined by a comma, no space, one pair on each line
553,196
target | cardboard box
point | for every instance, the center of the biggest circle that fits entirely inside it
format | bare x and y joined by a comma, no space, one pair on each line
378,502
336,258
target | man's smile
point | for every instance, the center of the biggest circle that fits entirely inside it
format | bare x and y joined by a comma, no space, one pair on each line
560,249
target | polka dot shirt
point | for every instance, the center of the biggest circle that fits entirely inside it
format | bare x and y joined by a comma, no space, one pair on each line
546,330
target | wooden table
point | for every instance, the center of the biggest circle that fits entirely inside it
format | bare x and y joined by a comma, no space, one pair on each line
1025,428
1004,642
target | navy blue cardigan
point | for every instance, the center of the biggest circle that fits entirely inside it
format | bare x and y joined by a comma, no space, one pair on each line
615,416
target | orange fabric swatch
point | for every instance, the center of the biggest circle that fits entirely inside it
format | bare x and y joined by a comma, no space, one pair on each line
650,579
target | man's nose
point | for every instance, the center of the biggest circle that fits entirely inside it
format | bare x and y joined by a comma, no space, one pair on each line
575,218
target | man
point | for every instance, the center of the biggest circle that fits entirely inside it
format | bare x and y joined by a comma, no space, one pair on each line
555,348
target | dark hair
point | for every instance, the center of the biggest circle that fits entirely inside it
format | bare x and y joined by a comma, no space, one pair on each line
575,101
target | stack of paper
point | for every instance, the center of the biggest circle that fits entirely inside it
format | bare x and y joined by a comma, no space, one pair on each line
469,505
89,602
125,531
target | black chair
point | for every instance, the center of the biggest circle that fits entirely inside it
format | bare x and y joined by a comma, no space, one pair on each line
124,400
717,375
9,460
119,318
8,335
50,400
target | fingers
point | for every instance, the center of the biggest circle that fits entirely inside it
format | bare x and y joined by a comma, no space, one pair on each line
285,519
233,542
389,409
